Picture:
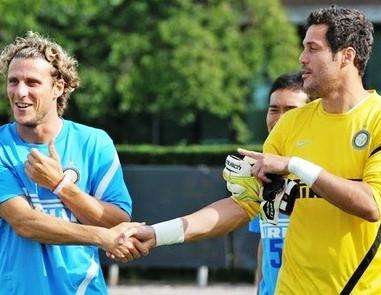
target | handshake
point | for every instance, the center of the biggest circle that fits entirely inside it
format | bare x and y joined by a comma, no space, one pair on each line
128,241
267,200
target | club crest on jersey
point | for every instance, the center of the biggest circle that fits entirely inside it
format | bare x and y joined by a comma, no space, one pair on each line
73,173
361,139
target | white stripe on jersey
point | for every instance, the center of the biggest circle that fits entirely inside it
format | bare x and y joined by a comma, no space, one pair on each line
91,273
53,201
107,178
53,206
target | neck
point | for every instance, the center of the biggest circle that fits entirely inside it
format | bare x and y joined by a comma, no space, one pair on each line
42,133
343,97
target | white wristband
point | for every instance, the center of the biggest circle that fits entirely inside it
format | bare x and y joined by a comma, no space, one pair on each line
64,181
307,172
169,232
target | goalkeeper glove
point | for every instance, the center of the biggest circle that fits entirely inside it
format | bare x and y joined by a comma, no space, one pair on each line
243,186
279,198
273,198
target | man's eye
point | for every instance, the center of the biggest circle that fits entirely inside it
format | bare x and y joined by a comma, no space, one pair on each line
32,83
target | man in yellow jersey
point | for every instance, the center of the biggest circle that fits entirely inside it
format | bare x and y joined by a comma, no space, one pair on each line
332,146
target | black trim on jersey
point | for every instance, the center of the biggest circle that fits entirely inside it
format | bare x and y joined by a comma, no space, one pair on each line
376,150
363,265
305,192
230,170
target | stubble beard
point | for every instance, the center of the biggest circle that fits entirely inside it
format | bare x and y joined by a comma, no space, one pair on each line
36,121
313,91
320,87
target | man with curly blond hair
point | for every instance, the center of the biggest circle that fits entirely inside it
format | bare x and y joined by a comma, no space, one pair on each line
60,181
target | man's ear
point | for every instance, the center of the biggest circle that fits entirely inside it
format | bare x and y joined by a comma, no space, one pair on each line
348,56
58,88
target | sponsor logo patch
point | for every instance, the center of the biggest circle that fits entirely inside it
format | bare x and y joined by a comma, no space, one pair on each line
73,173
361,139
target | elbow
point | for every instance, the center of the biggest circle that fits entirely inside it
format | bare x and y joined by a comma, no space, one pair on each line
371,212
372,215
22,229
373,218
124,217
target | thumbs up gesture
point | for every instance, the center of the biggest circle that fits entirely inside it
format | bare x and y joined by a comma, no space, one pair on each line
46,171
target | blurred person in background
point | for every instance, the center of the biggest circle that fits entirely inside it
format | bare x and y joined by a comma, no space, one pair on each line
286,93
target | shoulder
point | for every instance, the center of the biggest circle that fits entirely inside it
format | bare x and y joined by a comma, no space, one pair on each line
374,102
5,132
297,116
5,127
85,132
302,112
370,111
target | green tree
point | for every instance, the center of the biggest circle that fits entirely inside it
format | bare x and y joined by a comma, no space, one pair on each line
193,57
159,60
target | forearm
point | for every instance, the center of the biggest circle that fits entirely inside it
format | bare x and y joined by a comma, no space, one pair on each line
216,219
50,230
91,211
353,197
33,224
213,220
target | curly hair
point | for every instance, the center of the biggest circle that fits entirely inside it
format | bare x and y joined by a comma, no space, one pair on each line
33,45
346,28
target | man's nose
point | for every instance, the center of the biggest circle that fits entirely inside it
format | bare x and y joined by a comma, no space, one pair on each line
22,90
303,58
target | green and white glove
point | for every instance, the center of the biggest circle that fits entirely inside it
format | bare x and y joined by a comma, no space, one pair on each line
237,174
245,189
268,200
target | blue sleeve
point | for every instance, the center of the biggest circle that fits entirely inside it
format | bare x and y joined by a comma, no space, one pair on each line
254,225
9,185
107,182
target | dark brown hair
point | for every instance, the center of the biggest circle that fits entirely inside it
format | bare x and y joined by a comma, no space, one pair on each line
346,28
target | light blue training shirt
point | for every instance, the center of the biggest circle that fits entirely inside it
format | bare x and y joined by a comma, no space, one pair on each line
272,237
29,267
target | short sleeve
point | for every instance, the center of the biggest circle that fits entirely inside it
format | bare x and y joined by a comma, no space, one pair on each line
108,182
254,225
9,185
372,175
372,168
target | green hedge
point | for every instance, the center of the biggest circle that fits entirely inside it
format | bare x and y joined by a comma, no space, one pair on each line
213,155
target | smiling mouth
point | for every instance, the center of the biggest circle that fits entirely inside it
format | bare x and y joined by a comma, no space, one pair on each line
23,105
306,71
306,74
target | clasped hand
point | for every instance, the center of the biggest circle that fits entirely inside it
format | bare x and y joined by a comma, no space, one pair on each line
132,241
46,171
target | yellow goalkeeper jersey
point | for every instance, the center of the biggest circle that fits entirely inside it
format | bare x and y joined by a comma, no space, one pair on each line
324,245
